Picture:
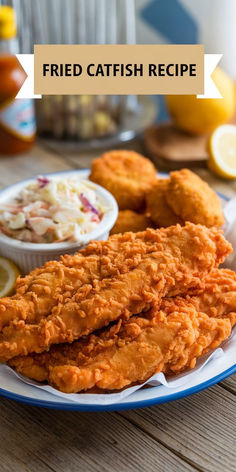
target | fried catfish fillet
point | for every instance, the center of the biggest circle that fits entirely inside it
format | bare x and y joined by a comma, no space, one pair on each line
168,340
123,276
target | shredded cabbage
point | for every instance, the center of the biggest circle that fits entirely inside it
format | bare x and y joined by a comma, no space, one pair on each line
52,210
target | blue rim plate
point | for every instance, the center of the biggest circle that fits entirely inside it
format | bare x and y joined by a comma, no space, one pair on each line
56,405
30,395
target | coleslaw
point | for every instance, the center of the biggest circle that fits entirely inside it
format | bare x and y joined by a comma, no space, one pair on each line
51,210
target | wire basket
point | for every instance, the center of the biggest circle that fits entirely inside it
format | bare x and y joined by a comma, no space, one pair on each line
83,120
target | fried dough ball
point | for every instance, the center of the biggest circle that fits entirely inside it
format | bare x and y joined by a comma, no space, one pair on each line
129,220
193,200
160,212
127,175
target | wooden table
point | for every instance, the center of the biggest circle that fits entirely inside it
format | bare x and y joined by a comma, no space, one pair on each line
194,434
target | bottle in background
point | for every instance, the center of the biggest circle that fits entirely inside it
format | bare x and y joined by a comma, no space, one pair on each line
17,118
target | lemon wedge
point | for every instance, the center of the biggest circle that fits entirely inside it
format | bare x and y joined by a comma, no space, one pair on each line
8,275
222,150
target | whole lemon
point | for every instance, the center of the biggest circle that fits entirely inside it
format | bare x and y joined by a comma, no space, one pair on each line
202,116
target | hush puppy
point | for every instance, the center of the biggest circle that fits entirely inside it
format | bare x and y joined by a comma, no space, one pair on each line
127,175
129,220
193,200
160,212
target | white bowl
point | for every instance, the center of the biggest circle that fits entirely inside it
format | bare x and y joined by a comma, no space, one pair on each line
27,255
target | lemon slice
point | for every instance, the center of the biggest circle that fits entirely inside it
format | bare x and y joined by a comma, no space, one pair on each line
8,275
222,150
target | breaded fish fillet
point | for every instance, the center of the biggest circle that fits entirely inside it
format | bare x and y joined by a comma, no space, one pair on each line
118,278
218,294
168,340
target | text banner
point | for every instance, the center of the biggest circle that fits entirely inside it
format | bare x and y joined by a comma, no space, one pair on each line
119,70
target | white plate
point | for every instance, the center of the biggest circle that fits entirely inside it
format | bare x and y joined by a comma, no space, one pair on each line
11,387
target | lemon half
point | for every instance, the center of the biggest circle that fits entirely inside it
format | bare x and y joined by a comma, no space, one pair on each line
202,116
222,150
8,275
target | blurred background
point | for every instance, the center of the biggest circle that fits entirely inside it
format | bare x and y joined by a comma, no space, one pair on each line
79,123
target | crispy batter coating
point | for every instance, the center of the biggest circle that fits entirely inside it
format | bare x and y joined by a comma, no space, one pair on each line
127,175
106,281
129,220
161,213
169,340
218,294
193,200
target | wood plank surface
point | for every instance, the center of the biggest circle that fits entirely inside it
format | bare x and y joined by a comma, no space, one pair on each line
230,384
200,428
37,161
39,440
